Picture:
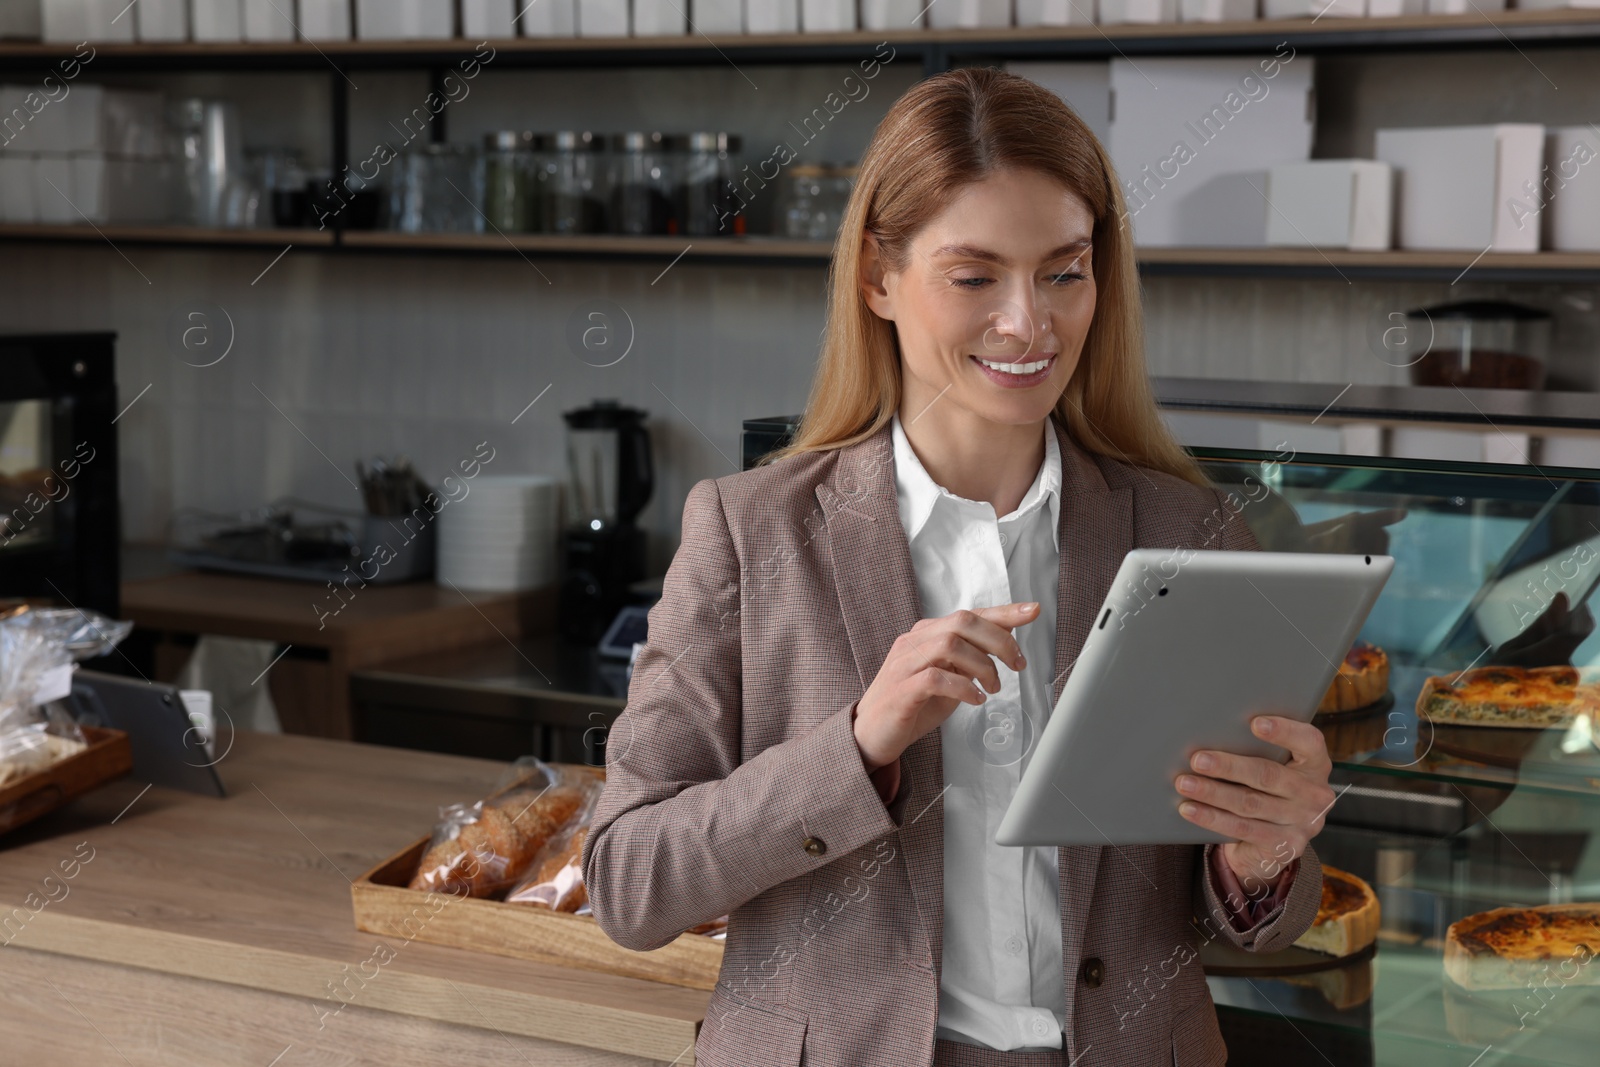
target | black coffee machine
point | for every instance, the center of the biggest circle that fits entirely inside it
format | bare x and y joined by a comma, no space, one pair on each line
610,477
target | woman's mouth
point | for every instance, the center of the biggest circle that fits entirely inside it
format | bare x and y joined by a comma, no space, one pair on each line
1017,375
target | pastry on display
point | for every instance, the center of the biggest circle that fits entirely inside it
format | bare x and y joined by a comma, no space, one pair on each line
557,883
1521,697
1343,987
1362,680
1347,918
483,848
1517,948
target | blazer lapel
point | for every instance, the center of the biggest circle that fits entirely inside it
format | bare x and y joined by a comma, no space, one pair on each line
1096,532
878,602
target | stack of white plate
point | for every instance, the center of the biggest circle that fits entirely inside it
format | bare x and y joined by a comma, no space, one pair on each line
502,535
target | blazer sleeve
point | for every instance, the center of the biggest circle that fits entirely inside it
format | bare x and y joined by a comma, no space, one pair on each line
686,829
1283,926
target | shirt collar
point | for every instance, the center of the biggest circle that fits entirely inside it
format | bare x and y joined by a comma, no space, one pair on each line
918,493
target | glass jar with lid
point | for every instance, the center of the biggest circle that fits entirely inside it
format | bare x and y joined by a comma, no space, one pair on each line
641,183
435,190
574,189
505,176
708,203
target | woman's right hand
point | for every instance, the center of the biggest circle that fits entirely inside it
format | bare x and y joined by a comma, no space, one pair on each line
930,669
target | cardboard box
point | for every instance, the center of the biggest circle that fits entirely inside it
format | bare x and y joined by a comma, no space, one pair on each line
408,20
1313,9
1113,12
1570,187
603,18
1193,139
484,19
1083,85
909,14
1458,187
555,18
161,20
783,16
828,16
659,18
712,17
1218,10
968,14
1331,203
326,20
72,21
217,20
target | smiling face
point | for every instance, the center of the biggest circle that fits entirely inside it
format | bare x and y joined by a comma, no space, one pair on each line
994,303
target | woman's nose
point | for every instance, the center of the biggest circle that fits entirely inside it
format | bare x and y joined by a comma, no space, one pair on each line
1021,318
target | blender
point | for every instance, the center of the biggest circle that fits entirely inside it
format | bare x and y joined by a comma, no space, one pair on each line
610,477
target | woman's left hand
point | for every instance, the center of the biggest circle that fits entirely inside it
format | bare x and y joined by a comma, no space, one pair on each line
1271,809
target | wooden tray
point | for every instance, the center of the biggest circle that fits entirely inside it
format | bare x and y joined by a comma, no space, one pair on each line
107,757
384,905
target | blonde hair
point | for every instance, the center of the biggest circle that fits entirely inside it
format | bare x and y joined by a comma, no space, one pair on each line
946,132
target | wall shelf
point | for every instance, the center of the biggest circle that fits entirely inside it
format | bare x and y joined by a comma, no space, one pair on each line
1575,267
937,47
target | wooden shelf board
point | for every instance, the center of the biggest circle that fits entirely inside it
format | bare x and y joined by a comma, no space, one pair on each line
162,234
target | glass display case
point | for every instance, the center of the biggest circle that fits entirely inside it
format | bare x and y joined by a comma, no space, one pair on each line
1495,566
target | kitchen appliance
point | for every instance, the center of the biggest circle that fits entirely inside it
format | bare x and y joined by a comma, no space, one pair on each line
611,476
59,523
761,436
1481,344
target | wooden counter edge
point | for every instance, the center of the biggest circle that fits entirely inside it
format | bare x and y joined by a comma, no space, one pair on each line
393,988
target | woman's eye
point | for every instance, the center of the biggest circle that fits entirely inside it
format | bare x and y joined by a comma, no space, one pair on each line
1067,276
969,283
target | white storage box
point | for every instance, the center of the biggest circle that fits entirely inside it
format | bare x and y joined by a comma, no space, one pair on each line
1464,7
658,18
828,16
782,16
485,19
1114,12
161,20
21,20
1572,189
1331,203
969,14
1083,85
603,18
717,16
1458,185
268,20
1395,8
92,118
1217,10
406,20
1037,13
72,21
1192,140
1545,5
555,18
1313,9
217,20
16,188
325,20
52,190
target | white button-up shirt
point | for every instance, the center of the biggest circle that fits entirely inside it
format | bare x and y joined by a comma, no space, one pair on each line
1001,983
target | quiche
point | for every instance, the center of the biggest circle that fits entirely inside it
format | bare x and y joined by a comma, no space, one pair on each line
1517,948
1363,678
1347,918
1527,697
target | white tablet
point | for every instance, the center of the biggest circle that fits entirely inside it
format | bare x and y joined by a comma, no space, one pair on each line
1188,647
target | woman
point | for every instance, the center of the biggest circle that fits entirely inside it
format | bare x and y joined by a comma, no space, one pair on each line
857,644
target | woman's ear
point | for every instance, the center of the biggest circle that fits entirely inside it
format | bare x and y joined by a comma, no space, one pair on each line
873,288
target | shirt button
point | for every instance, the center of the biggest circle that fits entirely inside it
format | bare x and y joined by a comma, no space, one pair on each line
815,846
1040,1027
1014,945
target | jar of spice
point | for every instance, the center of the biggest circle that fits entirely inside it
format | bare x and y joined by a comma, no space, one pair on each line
641,183
505,170
708,203
574,190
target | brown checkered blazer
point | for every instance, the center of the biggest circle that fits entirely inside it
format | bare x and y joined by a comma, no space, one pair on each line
734,784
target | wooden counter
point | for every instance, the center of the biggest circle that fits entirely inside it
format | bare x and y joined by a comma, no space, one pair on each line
214,932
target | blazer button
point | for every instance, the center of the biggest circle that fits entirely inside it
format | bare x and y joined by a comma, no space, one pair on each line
815,846
1092,972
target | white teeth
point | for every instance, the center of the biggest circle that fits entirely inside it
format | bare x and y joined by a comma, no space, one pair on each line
1015,368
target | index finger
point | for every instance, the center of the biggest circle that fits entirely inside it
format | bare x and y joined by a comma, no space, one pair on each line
1010,615
990,630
